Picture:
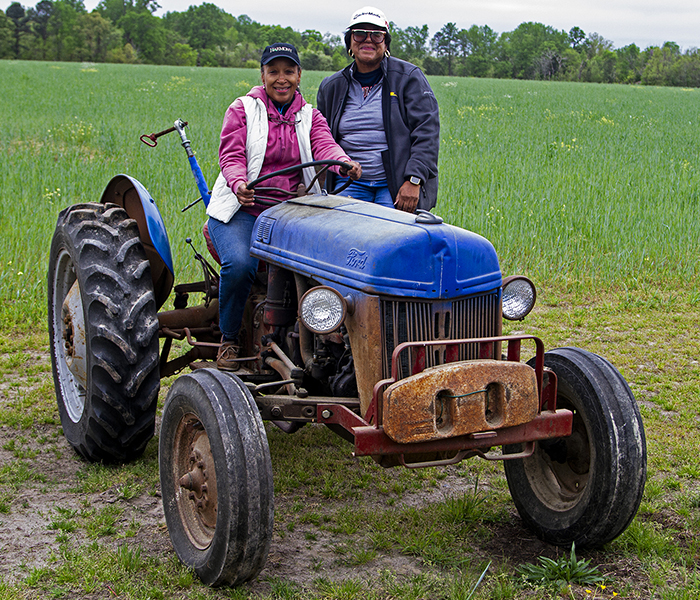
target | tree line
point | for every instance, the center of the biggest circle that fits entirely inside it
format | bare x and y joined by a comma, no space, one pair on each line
128,31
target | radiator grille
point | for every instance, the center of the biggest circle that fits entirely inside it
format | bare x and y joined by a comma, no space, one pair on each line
403,321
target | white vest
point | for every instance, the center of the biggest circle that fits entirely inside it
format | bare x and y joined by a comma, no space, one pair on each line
223,203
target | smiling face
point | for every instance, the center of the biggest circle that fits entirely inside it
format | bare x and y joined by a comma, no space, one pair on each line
368,54
281,78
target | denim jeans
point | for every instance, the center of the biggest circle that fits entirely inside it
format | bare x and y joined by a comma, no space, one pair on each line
369,191
232,243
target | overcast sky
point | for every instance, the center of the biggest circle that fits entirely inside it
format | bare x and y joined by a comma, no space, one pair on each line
643,22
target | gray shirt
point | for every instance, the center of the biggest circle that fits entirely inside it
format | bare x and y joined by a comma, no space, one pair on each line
361,130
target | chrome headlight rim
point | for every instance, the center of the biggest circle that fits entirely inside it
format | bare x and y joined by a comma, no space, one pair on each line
518,297
338,306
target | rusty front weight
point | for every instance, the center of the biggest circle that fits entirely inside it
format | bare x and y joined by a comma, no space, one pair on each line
486,350
154,136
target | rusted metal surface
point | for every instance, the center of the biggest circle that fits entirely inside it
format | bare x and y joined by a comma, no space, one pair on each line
549,390
196,332
199,479
281,302
186,360
437,462
151,139
192,342
191,317
291,408
460,398
285,371
306,338
372,441
197,497
74,335
364,328
253,329
460,456
283,357
487,346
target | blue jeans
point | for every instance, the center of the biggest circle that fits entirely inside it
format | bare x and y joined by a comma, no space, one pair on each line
369,191
232,243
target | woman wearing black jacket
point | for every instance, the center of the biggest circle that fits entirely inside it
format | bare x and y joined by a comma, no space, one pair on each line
383,113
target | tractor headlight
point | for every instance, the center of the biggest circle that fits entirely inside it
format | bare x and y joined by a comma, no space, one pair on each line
322,309
518,298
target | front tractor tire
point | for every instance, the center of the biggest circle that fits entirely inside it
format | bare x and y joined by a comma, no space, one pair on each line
103,331
587,487
216,477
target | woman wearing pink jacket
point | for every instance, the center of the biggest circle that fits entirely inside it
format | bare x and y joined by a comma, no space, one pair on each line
269,129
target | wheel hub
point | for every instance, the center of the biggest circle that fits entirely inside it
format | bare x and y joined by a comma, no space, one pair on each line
74,336
196,479
559,470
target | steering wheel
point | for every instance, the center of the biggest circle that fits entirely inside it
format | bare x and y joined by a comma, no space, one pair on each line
268,201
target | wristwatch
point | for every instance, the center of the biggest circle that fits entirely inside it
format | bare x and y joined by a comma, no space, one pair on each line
415,180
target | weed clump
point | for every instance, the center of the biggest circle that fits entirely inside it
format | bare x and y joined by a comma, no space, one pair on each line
561,571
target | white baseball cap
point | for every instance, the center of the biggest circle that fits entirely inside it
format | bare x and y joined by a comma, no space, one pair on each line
369,15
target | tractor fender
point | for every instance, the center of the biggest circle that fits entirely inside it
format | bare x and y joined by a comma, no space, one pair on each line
133,197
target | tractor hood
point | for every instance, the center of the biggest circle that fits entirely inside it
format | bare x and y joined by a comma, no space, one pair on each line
376,250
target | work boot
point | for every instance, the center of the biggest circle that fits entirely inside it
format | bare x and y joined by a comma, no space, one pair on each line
226,358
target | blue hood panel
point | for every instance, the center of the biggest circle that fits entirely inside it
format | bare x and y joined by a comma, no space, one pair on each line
374,249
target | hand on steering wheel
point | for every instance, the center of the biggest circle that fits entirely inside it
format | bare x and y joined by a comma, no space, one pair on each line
352,169
245,195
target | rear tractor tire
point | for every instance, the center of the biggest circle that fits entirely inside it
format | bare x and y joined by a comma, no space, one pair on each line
587,487
103,331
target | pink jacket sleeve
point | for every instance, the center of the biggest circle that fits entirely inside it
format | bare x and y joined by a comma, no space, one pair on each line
232,154
323,146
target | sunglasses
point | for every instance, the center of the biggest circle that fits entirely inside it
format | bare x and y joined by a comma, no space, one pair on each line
360,35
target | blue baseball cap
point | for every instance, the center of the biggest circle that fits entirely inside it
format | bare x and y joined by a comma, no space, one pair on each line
280,51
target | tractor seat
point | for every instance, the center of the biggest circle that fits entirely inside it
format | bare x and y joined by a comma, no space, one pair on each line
210,245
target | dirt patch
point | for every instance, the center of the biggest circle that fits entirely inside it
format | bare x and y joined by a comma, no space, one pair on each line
30,531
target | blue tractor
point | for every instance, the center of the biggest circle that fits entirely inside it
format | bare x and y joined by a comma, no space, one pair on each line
384,326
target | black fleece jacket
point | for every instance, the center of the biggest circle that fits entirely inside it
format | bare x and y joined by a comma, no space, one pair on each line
411,123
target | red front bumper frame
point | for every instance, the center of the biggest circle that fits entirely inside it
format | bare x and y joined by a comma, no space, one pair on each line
370,439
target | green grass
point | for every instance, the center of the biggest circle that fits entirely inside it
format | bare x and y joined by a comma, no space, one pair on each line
577,185
123,573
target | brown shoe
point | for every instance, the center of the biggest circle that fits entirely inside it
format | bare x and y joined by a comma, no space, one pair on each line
226,358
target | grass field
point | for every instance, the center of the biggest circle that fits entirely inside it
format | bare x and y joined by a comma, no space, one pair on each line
591,190
576,185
